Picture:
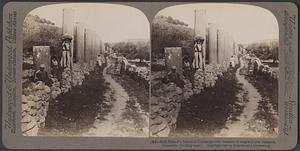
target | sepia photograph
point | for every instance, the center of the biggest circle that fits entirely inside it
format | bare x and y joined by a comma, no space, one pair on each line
214,71
150,75
86,71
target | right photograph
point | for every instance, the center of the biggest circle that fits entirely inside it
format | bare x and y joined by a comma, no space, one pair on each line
214,71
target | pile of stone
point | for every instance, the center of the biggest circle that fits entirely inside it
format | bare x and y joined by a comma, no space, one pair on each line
55,89
207,78
78,75
35,103
211,74
156,77
268,71
131,68
187,90
66,80
86,69
199,81
28,73
143,72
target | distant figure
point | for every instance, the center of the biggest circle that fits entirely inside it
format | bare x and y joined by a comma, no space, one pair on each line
42,75
186,62
198,50
255,67
231,63
250,66
66,51
188,70
173,76
123,64
55,71
99,62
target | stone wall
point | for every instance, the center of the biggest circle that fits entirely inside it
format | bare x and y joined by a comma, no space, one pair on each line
263,69
166,98
141,73
209,78
35,102
165,105
36,97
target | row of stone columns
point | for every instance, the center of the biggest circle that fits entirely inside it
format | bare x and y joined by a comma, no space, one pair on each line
86,44
218,44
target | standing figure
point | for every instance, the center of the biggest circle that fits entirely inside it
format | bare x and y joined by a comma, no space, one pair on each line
66,51
123,64
198,51
250,69
255,67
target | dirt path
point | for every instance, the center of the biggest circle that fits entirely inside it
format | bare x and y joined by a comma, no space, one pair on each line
247,125
116,124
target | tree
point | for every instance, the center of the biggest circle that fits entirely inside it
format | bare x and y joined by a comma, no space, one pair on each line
169,32
37,31
133,50
264,50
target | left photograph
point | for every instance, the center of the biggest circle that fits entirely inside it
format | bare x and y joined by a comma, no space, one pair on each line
86,71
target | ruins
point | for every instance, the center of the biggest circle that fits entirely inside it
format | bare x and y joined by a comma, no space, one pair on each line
85,46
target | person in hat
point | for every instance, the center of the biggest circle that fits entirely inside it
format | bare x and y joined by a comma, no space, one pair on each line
42,75
198,50
173,76
66,51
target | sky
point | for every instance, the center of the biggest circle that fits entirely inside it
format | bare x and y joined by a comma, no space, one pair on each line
113,23
245,23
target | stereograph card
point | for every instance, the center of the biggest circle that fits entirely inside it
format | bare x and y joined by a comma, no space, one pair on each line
150,75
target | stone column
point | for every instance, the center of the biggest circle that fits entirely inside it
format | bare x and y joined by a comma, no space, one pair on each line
102,46
227,49
231,43
87,47
68,28
200,29
235,50
221,48
94,50
79,42
212,44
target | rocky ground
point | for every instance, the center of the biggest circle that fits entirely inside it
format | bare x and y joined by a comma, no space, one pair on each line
135,89
126,117
268,105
